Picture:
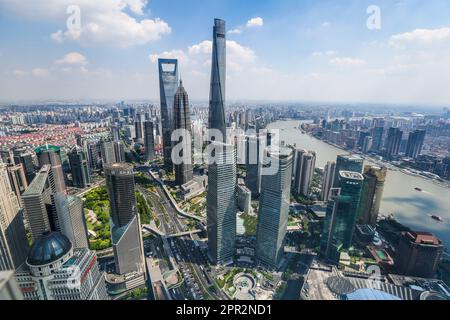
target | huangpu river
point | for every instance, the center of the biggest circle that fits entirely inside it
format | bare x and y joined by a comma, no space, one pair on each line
410,207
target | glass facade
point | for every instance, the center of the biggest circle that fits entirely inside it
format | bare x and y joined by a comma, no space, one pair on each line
168,84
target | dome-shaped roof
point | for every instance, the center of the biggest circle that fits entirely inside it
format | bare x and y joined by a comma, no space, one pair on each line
49,248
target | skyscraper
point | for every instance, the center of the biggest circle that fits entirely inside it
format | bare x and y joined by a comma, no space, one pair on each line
94,154
418,254
347,163
168,84
52,155
415,143
119,151
182,121
342,213
71,220
9,288
55,270
274,207
218,78
367,145
107,152
255,146
362,136
13,242
17,179
79,168
139,127
125,226
393,141
371,195
149,141
37,203
26,159
221,204
377,138
327,180
304,171
115,132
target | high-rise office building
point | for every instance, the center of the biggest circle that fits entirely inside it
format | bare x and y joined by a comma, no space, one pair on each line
9,288
17,179
13,242
139,127
168,84
125,226
94,154
71,221
304,171
107,152
393,141
377,138
255,145
149,141
342,213
347,163
37,203
274,207
182,121
115,132
119,151
371,195
55,270
244,198
327,180
367,145
218,78
418,254
79,167
221,204
415,143
361,137
52,155
26,159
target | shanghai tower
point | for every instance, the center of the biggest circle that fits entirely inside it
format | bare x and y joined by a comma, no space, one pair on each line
168,84
218,76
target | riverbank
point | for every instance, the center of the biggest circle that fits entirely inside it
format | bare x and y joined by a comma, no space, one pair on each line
400,197
390,166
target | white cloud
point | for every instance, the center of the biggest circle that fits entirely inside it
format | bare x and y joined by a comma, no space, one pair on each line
204,47
103,22
235,31
199,56
40,72
20,73
73,58
348,62
255,22
421,37
58,36
174,54
324,53
325,24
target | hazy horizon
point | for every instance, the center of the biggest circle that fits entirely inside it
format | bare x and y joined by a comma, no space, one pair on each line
283,51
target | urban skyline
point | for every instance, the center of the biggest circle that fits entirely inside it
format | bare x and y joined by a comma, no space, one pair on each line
330,55
269,202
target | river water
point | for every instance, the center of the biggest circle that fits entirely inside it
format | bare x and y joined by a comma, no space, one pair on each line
410,207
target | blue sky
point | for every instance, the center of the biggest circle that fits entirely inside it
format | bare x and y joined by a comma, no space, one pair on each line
305,50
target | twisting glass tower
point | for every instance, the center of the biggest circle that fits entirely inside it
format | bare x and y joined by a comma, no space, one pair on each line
218,76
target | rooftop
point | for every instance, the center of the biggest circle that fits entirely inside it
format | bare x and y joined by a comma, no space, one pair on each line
38,183
351,175
49,248
423,238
